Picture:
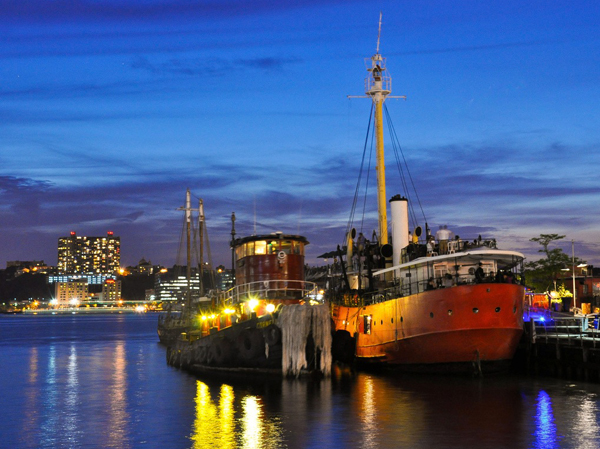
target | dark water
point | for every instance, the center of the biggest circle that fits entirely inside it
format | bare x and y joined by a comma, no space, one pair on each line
101,381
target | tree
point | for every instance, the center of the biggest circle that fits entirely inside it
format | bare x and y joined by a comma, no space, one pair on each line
542,274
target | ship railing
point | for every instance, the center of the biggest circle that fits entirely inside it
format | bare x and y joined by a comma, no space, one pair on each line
572,330
414,251
411,284
274,290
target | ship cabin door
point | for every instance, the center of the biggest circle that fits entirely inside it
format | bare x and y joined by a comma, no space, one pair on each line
364,324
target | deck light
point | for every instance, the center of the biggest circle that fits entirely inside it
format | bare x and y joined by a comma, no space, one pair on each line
253,304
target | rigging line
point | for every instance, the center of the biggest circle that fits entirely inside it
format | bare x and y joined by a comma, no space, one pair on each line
210,264
353,209
411,203
398,164
194,231
367,184
395,145
195,246
406,165
181,234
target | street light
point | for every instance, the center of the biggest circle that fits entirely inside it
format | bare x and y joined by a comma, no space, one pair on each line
574,291
581,265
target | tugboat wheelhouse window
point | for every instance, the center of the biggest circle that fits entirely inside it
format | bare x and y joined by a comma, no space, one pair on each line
260,247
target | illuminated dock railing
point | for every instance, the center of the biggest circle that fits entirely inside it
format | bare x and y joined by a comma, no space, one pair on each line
572,330
272,289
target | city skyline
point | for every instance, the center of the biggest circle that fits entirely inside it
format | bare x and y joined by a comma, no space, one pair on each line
111,110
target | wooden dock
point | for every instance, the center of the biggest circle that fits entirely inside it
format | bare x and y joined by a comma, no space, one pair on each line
565,347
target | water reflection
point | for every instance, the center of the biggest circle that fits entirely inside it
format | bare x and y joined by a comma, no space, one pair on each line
545,427
50,401
72,413
31,421
63,388
118,400
585,428
92,388
368,414
216,423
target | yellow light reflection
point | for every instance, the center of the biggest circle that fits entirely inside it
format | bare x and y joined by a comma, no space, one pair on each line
214,426
226,415
369,414
251,422
257,430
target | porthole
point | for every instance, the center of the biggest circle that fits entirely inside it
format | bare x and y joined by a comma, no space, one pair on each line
392,321
430,314
449,312
475,310
401,319
497,309
382,322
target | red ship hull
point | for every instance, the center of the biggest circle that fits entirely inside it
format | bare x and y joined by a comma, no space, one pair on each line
477,324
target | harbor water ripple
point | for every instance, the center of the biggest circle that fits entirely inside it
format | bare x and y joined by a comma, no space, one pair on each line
101,381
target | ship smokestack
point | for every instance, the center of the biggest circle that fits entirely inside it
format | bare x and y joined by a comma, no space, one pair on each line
400,230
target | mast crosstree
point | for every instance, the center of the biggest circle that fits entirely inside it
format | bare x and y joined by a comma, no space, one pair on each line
378,86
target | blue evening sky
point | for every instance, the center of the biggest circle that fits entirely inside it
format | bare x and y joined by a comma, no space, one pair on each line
111,109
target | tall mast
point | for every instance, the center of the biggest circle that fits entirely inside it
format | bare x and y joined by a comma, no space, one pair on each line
201,238
233,246
188,223
378,86
188,272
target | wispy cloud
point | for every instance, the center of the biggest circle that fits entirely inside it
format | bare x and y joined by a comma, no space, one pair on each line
80,10
15,185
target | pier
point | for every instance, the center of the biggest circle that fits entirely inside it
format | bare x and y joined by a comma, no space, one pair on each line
565,347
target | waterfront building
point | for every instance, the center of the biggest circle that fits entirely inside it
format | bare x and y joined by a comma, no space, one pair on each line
225,278
171,285
70,293
149,295
20,267
91,279
89,255
111,290
587,285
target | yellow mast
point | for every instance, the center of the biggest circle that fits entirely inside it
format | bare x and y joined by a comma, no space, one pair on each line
378,86
381,195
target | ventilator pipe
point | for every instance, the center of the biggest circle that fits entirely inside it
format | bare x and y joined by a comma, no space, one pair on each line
400,230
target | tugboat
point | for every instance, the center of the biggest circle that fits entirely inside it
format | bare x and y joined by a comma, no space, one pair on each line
272,321
423,302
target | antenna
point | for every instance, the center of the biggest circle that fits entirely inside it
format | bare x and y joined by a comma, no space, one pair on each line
378,33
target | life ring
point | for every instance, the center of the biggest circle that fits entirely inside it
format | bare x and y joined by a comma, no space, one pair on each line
201,355
221,352
188,357
281,255
251,345
272,335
